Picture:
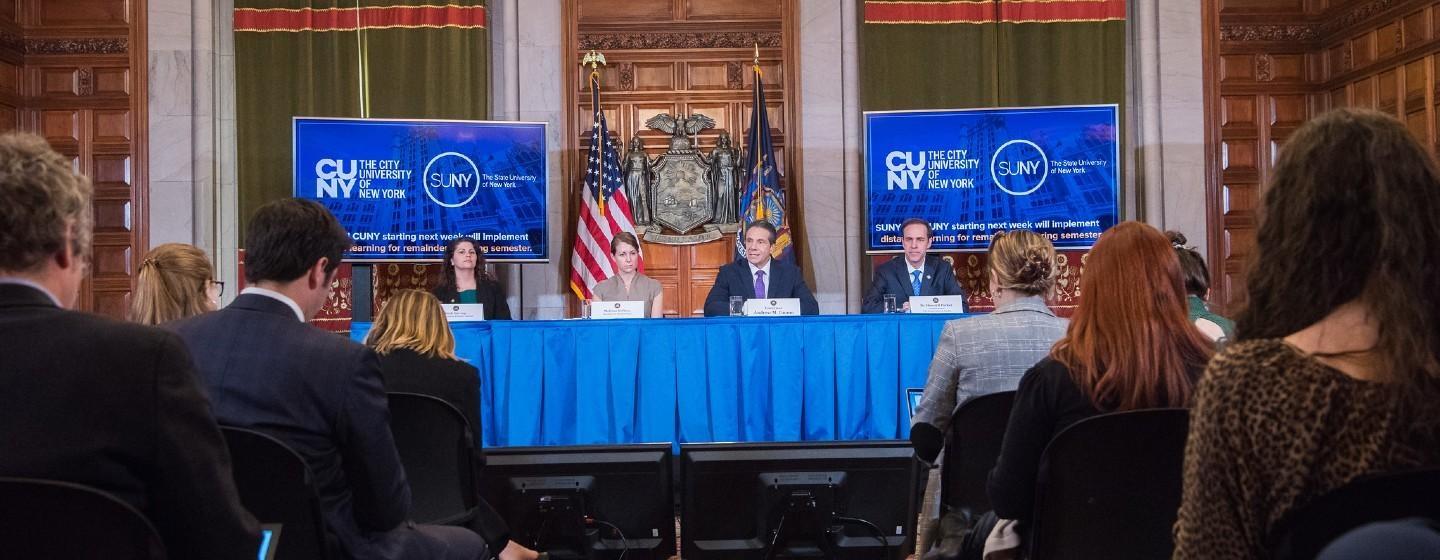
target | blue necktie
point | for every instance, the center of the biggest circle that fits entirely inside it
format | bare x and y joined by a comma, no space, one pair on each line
915,281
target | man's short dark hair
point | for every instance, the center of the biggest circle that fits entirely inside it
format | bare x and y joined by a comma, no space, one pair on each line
762,224
921,221
288,236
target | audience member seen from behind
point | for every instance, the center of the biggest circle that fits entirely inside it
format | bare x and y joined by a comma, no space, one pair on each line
267,369
1335,372
988,353
1197,285
124,415
914,273
176,281
628,284
463,279
417,355
1130,345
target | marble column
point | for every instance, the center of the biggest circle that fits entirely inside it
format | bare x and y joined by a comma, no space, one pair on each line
830,152
1167,140
191,127
528,77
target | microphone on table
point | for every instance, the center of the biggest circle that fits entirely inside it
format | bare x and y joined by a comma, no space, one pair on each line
927,441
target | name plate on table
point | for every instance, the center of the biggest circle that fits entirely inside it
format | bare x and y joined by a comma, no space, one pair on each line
937,304
778,307
464,312
617,309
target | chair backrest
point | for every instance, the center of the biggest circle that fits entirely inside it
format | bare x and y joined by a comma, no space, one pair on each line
436,448
54,519
976,431
276,486
1109,487
1305,531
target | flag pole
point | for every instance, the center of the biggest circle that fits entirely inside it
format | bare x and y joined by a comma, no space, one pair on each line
761,207
595,59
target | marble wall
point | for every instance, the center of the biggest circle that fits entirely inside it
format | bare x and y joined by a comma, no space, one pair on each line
192,123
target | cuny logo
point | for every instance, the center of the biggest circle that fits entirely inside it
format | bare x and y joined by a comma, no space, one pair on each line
905,170
1019,167
451,179
331,178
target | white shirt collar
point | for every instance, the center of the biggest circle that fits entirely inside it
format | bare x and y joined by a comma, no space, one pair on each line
910,270
765,268
29,283
282,298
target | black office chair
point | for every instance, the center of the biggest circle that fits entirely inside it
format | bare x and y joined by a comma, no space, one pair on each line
971,449
436,447
276,486
54,519
1305,532
1109,487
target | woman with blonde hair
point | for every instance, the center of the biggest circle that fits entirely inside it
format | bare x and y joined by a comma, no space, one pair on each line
175,281
417,355
988,354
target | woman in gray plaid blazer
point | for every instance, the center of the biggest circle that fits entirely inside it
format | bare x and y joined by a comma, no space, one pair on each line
988,353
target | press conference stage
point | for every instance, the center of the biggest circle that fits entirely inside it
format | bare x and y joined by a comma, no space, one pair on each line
572,382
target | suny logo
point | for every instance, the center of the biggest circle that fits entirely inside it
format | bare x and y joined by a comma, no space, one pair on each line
905,170
331,178
451,179
1019,167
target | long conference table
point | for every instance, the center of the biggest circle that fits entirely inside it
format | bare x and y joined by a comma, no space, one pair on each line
721,379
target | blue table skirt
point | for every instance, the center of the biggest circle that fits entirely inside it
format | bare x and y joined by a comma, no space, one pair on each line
719,379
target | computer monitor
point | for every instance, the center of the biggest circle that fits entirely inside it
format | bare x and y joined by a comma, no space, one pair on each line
843,500
585,502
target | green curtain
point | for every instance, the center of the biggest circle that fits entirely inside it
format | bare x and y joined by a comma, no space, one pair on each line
946,54
405,59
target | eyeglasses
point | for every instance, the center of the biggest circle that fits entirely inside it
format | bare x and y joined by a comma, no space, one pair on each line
220,287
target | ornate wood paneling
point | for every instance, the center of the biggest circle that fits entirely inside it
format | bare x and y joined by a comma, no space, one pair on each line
74,72
682,57
1272,64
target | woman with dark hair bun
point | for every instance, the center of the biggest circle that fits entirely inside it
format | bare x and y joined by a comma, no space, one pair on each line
1335,371
463,279
1197,284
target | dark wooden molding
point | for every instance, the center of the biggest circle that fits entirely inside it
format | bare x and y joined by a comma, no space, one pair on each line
735,75
1356,15
651,41
1287,33
77,45
627,76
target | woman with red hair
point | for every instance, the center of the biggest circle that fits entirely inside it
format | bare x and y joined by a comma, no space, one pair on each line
1130,345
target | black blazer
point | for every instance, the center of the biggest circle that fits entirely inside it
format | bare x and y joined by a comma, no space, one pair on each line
893,278
457,383
453,381
487,292
116,406
316,391
734,279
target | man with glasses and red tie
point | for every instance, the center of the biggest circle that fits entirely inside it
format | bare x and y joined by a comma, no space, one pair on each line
759,276
916,274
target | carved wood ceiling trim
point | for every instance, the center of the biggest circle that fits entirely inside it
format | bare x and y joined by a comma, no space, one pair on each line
1292,33
651,41
114,45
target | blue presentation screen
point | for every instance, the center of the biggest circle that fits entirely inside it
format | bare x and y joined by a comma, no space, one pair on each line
971,173
404,188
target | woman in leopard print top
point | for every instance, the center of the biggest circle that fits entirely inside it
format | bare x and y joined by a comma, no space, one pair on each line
1336,375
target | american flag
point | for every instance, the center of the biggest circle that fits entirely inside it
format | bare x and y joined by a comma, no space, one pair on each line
604,209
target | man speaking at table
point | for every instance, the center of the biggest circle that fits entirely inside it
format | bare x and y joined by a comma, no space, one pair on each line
917,274
759,276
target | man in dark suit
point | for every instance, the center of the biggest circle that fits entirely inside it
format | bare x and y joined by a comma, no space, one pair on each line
88,400
911,274
759,276
267,369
